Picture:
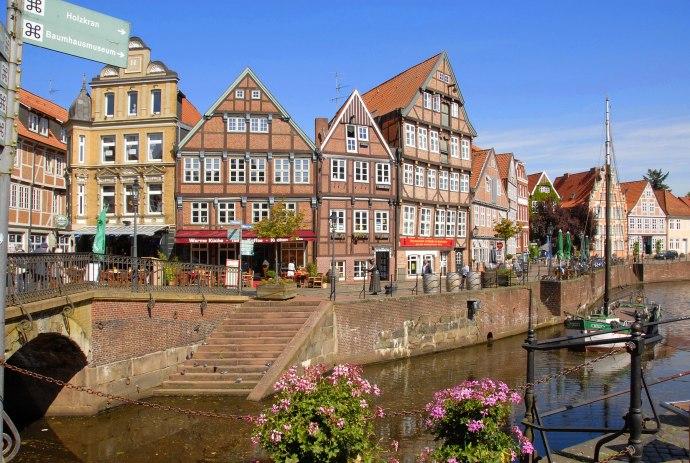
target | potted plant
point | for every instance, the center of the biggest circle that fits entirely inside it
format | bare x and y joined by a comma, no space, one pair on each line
471,421
358,237
275,289
505,276
321,417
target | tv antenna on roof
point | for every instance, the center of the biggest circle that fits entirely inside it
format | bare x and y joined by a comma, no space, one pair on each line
338,86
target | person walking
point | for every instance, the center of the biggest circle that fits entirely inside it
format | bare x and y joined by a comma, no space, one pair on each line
464,271
40,269
426,268
375,282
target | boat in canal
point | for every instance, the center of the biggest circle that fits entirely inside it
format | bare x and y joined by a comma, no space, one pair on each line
613,320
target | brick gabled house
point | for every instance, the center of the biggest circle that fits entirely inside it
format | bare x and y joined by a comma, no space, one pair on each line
245,154
522,239
490,204
677,221
356,183
422,116
508,171
646,220
589,188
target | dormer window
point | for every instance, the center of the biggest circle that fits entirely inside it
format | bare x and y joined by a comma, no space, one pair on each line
43,126
33,122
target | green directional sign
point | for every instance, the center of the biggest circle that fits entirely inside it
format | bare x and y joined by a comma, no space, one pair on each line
77,31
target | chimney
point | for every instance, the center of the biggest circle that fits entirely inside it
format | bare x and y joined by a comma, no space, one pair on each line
320,130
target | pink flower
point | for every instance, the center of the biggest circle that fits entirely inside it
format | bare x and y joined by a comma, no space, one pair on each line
394,445
363,403
341,423
475,425
313,428
276,436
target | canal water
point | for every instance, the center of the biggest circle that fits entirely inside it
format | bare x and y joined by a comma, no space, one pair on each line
140,434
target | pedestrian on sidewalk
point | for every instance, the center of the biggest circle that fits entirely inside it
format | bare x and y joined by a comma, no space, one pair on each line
375,282
465,270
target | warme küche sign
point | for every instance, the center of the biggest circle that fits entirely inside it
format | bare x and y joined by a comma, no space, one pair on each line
77,31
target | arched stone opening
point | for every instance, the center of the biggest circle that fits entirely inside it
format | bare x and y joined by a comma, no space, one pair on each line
56,356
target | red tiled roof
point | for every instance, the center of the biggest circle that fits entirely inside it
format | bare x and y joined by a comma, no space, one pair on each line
672,205
41,105
632,191
190,115
503,161
399,91
685,199
532,180
574,189
478,161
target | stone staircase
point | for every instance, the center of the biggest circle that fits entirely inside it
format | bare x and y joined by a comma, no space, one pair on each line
236,355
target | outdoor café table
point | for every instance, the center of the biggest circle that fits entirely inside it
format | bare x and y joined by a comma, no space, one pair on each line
301,278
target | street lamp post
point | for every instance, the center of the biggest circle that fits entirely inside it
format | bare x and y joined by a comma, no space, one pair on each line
475,234
333,219
135,255
549,232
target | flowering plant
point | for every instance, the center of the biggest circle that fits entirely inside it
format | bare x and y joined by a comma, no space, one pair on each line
471,418
319,417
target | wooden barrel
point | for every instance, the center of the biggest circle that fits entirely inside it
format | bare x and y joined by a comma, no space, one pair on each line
473,281
452,282
430,283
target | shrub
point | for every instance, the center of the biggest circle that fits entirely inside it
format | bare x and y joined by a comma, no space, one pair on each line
470,419
312,269
319,417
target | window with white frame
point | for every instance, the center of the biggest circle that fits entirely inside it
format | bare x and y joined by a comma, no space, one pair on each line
340,220
15,241
33,122
451,220
239,94
433,141
644,207
81,153
37,196
256,94
419,176
383,173
13,195
132,98
443,180
81,200
301,170
351,139
258,125
155,197
462,224
109,104
50,161
226,212
408,220
408,174
464,149
236,124
192,166
422,138
454,147
132,148
361,171
487,183
409,135
257,170
454,181
482,216
199,212
360,221
212,169
381,222
431,178
108,149
363,133
237,172
454,109
425,221
360,269
260,211
338,170
108,198
651,208
23,202
437,102
156,101
440,223
43,126
281,170
413,265
155,141
427,100
340,267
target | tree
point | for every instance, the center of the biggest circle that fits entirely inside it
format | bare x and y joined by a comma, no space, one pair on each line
656,177
506,229
280,223
577,219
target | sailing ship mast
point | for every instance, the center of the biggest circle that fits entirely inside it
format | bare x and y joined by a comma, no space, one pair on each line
607,242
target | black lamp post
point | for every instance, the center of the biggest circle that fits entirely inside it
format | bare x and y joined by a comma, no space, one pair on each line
475,234
333,219
135,255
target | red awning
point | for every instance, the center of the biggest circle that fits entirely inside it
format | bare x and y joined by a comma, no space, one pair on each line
300,235
202,236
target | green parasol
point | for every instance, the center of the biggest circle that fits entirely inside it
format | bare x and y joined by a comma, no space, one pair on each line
99,240
585,249
568,246
559,245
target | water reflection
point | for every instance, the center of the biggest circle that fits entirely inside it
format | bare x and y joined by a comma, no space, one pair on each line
131,433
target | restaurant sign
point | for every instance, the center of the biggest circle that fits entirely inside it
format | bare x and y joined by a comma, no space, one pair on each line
427,242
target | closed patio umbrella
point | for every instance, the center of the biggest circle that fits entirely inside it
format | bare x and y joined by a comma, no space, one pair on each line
585,249
559,245
567,251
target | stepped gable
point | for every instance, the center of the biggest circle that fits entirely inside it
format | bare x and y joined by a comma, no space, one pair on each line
575,189
233,359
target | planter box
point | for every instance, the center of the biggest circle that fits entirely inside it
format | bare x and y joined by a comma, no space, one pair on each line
506,280
276,291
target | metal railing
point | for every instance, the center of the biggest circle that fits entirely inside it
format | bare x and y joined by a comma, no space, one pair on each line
39,276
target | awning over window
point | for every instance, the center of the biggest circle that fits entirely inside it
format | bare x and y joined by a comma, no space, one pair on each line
300,235
221,237
117,230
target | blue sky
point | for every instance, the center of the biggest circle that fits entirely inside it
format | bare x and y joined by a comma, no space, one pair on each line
534,75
